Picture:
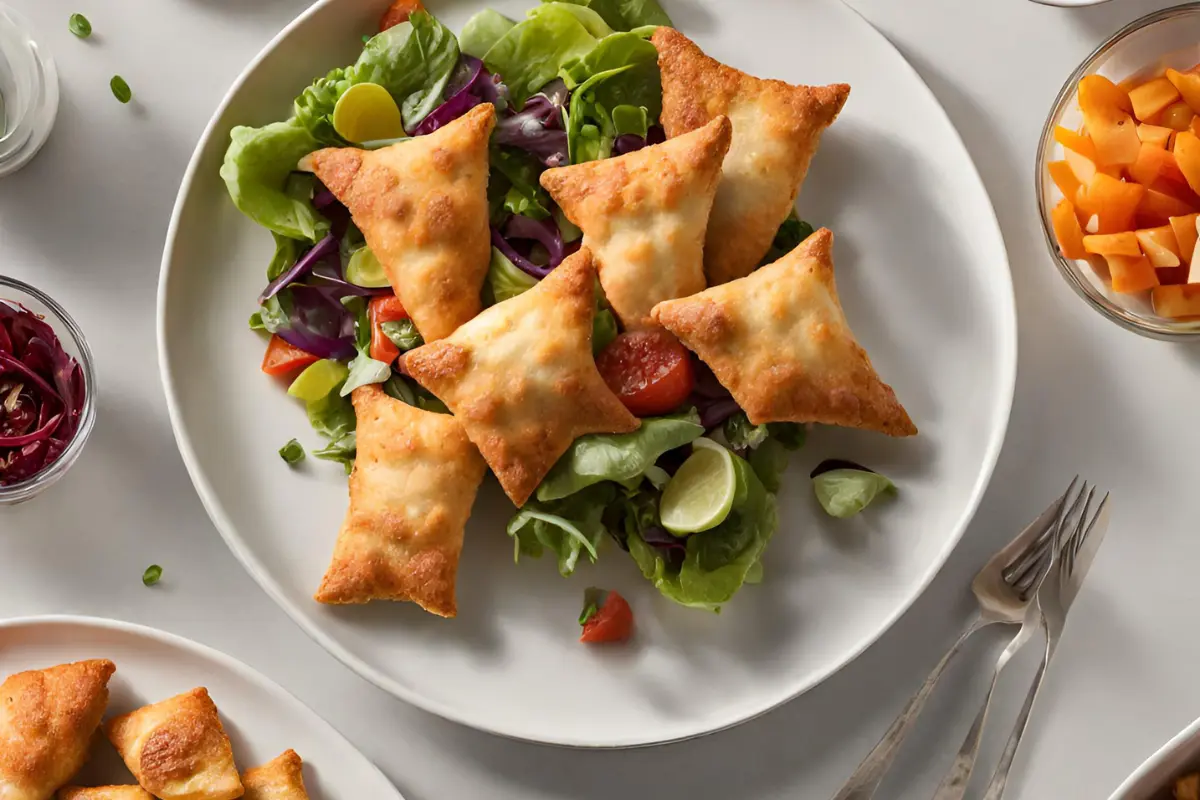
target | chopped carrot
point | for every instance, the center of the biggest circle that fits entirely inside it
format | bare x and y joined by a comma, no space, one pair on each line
1156,208
1078,142
1152,97
1064,178
1131,274
1184,228
1156,135
1115,202
1112,244
1176,301
1159,245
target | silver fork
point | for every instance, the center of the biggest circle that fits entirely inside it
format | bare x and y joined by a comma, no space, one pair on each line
1054,599
1003,588
954,784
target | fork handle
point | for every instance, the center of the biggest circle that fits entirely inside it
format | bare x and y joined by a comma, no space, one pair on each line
865,780
995,789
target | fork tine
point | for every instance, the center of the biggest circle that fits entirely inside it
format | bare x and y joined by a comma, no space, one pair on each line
1071,547
1021,563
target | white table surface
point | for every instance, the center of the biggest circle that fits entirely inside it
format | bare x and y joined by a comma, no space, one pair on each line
86,221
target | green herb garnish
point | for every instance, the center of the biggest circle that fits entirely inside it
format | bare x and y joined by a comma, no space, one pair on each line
120,89
80,26
844,488
292,452
152,575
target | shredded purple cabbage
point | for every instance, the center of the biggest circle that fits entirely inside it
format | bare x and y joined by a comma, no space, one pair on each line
630,142
302,267
712,400
519,261
42,394
538,127
318,322
671,548
470,85
545,232
322,198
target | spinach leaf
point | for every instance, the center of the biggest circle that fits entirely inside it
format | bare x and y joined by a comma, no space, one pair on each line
530,55
622,458
505,280
625,15
791,233
287,251
413,58
591,21
403,333
515,177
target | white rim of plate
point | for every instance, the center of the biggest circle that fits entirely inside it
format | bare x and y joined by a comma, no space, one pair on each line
1007,369
239,668
1160,755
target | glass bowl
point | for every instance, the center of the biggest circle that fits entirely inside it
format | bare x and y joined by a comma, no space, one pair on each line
28,92
71,338
1167,38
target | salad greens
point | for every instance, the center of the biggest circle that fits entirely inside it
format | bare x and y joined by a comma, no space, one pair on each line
844,488
573,81
120,89
79,25
152,575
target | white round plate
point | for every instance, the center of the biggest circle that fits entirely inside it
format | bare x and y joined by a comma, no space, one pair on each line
1152,780
925,281
261,718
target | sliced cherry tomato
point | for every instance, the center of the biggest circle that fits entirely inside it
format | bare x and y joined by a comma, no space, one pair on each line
381,309
608,619
398,12
283,358
650,371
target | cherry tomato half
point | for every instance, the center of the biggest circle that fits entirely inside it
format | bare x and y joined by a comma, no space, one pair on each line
650,371
381,309
283,358
398,12
612,621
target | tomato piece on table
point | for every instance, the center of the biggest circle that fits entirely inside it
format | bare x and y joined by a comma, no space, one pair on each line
650,371
381,309
398,12
606,617
283,358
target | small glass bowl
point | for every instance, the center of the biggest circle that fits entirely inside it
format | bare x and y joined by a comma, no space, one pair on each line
1167,38
28,92
73,342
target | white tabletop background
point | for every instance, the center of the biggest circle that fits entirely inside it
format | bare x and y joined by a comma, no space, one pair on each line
86,222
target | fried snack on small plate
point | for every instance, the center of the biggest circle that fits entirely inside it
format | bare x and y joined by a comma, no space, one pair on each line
279,779
643,216
48,719
776,130
411,492
422,206
779,342
521,377
177,749
104,793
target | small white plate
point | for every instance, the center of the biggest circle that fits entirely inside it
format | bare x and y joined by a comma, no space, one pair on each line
1152,780
924,278
1070,3
261,718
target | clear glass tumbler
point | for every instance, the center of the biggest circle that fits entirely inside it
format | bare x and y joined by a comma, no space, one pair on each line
28,92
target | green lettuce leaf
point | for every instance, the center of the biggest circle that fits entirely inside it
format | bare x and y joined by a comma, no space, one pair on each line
333,417
256,170
531,54
593,22
568,527
513,186
791,233
845,492
625,15
412,59
720,560
618,80
622,458
286,252
313,109
482,31
403,333
505,280
604,330
769,461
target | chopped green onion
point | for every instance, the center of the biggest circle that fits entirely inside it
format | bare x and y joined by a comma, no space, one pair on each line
292,452
588,613
120,89
80,26
152,575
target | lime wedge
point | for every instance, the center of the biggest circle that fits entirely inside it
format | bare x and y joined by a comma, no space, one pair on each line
364,269
318,380
701,494
365,112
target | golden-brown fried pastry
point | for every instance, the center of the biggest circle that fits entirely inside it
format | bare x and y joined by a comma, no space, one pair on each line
280,779
411,491
643,217
776,130
779,342
48,718
422,206
104,793
177,749
521,377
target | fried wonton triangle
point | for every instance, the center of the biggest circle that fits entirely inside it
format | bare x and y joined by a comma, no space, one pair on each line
104,793
177,749
643,217
779,342
776,130
411,491
422,206
521,377
280,779
48,718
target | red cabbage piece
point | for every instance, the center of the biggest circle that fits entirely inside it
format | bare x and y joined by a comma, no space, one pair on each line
629,142
42,394
545,232
322,249
712,400
318,323
672,548
537,128
470,85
